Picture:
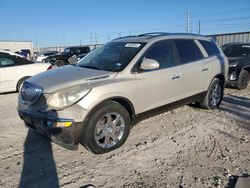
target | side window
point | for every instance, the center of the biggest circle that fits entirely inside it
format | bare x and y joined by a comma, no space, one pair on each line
210,47
162,52
77,51
5,62
84,50
188,50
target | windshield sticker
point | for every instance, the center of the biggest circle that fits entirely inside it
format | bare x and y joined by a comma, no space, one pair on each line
246,46
133,45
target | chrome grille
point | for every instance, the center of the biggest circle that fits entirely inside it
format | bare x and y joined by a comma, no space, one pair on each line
30,93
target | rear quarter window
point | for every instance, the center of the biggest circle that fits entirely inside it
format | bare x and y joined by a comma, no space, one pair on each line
210,47
188,50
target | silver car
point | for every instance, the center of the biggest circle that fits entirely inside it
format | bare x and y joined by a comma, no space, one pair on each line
96,102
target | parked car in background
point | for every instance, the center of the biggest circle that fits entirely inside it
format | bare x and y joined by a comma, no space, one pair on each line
63,58
96,101
11,53
15,69
239,64
43,55
25,52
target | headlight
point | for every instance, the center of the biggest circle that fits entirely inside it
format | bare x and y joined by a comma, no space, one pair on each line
232,76
67,97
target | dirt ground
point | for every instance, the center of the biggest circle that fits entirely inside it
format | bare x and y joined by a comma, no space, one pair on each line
186,147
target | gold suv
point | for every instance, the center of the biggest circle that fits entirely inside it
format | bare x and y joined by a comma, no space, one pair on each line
96,101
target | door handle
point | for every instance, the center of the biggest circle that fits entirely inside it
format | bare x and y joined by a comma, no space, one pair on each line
204,69
175,77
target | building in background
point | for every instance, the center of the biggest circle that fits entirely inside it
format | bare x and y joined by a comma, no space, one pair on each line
14,45
231,37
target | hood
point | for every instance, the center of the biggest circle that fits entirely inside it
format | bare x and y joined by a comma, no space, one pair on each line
56,55
234,61
68,76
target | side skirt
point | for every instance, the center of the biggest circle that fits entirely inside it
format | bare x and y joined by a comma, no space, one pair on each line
142,116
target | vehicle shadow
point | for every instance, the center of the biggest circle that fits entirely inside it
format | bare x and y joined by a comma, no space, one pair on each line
39,168
237,106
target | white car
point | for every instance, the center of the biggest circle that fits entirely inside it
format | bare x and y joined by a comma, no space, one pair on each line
15,69
42,56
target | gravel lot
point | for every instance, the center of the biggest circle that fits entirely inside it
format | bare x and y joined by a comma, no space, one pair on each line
186,147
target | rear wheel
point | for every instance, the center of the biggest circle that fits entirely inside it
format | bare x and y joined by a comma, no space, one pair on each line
107,128
243,80
214,95
59,63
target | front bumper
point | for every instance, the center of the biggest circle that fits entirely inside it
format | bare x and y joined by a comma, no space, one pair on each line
232,83
68,137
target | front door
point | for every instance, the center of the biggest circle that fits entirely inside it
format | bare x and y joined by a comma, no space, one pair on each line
161,86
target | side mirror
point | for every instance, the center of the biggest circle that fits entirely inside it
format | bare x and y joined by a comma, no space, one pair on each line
149,64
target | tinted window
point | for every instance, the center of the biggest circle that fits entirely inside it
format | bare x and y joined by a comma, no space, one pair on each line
210,47
14,59
237,50
162,52
188,51
84,50
6,62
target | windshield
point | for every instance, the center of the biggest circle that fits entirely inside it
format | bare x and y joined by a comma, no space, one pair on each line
114,56
237,50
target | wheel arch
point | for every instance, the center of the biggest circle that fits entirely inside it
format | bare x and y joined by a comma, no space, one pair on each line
222,78
126,103
247,68
20,81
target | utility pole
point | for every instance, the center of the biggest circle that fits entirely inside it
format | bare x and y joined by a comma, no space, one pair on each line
96,39
199,29
120,34
91,38
187,21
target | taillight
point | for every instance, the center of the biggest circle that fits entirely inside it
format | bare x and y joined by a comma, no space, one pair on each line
50,67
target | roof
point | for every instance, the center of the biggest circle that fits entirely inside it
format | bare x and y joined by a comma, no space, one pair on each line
146,37
10,53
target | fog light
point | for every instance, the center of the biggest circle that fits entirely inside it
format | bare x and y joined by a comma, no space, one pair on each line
63,124
58,124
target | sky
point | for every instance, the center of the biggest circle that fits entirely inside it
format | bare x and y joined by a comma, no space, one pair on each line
74,22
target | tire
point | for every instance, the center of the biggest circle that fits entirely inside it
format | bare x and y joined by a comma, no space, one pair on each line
20,83
213,96
243,80
59,63
99,134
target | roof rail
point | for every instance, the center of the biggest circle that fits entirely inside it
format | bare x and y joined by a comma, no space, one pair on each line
125,37
153,34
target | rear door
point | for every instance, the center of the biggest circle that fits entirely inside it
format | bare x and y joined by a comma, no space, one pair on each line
7,75
12,68
194,71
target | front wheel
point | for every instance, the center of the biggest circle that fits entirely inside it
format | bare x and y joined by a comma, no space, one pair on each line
214,95
107,128
243,80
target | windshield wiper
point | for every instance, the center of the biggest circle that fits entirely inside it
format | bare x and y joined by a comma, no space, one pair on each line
91,67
